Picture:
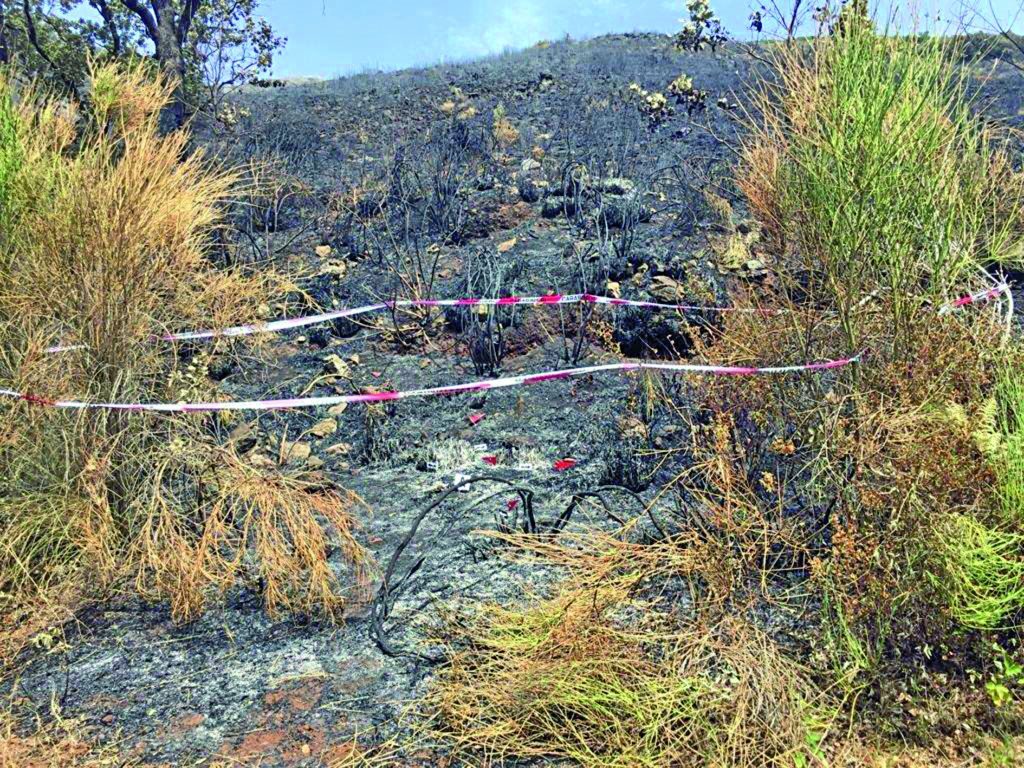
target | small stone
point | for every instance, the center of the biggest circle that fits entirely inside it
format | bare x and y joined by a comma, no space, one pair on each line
552,209
529,164
666,289
630,427
733,252
339,448
334,364
315,462
261,461
324,428
334,270
528,190
240,432
337,410
294,454
617,186
323,251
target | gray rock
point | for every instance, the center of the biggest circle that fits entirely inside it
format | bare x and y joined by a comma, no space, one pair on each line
617,186
528,190
554,208
624,211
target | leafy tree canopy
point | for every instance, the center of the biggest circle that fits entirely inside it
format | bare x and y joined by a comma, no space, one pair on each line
209,45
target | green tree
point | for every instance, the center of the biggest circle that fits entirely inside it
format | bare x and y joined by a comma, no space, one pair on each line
203,45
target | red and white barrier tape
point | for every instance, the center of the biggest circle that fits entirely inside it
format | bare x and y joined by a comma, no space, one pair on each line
476,386
508,301
993,293
508,381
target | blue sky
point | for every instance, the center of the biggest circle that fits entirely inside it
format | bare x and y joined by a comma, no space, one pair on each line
336,37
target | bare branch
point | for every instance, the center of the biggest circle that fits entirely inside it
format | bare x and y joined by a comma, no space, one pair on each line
33,37
793,18
1005,31
188,13
108,20
145,15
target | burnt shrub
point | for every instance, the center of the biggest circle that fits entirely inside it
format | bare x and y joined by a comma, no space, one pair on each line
648,333
483,328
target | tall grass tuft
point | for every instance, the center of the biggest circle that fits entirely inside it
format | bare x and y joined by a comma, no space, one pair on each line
984,572
872,171
985,558
104,245
1010,428
599,676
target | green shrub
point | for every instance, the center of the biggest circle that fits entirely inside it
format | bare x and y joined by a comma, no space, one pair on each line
876,176
884,195
1010,428
984,572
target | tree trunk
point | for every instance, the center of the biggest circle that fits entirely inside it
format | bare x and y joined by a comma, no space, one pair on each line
168,35
172,63
4,56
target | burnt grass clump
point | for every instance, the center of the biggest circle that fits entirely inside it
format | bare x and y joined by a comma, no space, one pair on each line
526,174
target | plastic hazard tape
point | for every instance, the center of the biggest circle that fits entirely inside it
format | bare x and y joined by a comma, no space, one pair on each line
456,389
508,381
973,298
508,301
276,326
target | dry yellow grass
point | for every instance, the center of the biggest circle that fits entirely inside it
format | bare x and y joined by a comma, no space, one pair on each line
603,674
105,244
503,130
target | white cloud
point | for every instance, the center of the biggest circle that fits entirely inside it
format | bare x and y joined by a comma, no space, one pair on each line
490,27
513,24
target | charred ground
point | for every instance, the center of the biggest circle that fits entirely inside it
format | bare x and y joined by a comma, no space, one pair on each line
530,173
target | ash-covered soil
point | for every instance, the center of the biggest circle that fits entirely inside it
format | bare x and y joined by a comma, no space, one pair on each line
368,177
